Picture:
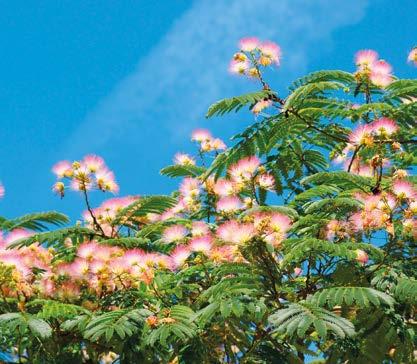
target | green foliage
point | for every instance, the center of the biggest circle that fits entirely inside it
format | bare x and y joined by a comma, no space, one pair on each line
298,318
360,296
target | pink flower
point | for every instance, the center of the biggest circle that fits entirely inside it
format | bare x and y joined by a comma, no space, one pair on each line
361,135
381,74
384,126
199,228
190,187
62,169
298,271
366,58
261,105
404,189
412,56
271,51
236,233
201,244
200,135
249,44
218,144
245,168
2,190
93,162
106,181
229,204
87,250
361,256
17,234
223,187
174,233
179,255
266,181
184,159
238,67
280,223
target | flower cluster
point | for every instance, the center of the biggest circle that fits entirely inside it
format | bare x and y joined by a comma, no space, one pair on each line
377,71
378,132
412,56
206,141
252,54
378,213
90,173
107,212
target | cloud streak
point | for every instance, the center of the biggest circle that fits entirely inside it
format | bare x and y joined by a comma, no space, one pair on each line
169,91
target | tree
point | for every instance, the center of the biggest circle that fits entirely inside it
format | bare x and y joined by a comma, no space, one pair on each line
269,252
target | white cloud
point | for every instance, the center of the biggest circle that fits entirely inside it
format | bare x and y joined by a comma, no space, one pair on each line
168,93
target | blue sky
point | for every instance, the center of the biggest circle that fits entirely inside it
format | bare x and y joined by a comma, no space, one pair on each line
129,80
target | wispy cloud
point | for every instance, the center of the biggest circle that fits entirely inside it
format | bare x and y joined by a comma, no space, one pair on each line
168,93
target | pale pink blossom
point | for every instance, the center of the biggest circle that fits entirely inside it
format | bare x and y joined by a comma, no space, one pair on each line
266,181
201,244
190,187
366,58
229,204
62,169
249,44
200,135
361,256
244,168
272,51
224,187
384,126
238,67
412,56
260,106
183,159
174,233
179,255
199,228
404,189
93,163
361,135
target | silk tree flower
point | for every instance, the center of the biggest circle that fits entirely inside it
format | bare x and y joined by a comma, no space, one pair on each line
174,233
361,256
261,105
183,159
280,222
361,135
179,255
298,271
106,181
238,67
249,44
270,53
365,59
235,232
404,190
58,188
229,204
190,187
266,181
92,163
201,244
212,145
412,56
384,126
62,169
381,73
224,187
244,169
200,135
199,228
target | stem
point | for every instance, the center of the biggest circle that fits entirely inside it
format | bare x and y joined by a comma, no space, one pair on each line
90,210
